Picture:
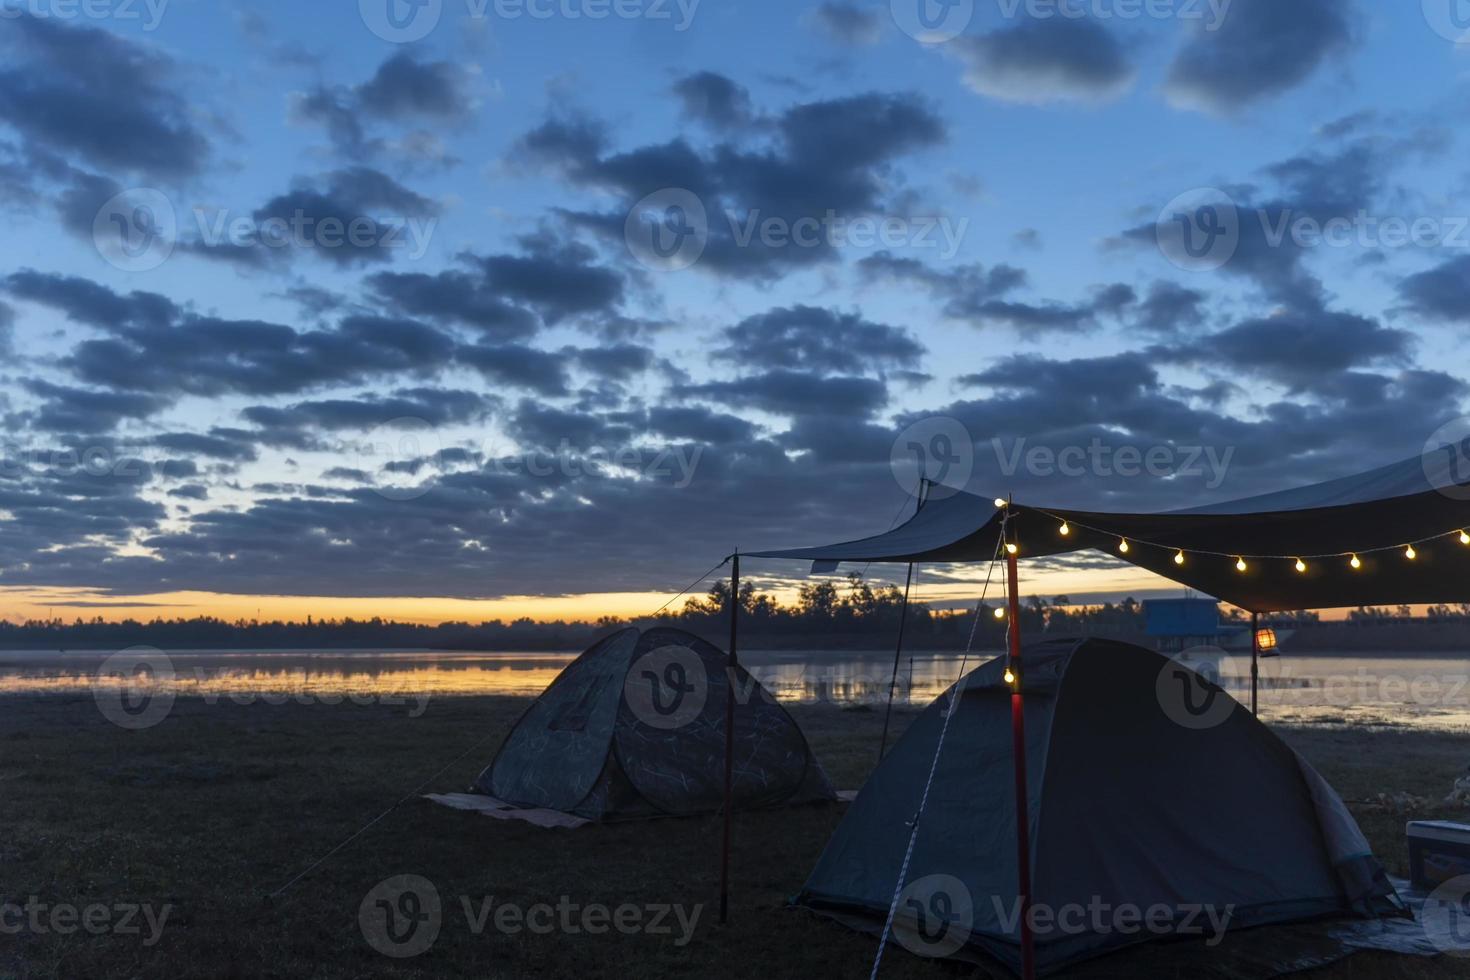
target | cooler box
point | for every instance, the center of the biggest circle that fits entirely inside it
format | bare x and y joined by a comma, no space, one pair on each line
1438,851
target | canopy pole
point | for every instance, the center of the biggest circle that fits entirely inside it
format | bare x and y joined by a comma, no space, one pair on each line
903,615
1255,661
1018,746
734,663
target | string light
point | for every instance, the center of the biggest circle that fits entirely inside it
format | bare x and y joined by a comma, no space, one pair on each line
1000,612
1012,549
1242,565
1010,676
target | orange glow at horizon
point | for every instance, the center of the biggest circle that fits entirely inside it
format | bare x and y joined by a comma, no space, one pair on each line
931,584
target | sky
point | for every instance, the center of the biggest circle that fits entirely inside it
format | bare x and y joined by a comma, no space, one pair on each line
466,309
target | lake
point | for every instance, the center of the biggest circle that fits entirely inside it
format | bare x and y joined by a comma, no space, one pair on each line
1375,690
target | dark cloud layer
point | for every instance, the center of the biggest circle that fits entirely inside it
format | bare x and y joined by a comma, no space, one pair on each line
1262,49
91,94
814,160
1040,60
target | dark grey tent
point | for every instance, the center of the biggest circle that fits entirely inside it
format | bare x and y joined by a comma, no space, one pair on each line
635,727
1147,787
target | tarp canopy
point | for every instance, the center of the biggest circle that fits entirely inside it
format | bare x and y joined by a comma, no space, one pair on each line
1422,502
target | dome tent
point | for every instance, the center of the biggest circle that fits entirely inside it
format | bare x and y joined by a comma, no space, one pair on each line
1144,791
635,727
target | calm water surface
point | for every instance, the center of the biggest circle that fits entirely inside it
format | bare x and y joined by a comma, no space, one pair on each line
1385,689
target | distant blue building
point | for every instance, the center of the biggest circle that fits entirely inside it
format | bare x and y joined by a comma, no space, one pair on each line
1177,624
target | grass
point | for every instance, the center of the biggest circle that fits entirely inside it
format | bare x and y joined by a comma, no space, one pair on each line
222,803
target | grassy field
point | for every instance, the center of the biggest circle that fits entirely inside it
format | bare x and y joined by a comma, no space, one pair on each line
220,804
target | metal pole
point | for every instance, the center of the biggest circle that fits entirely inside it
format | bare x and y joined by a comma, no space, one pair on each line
1018,747
903,615
1255,661
730,738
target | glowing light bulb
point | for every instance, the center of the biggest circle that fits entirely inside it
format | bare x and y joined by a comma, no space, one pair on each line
1356,562
1301,566
1179,558
1000,612
1010,676
1410,553
1123,546
1012,549
1465,537
1000,503
1240,565
1066,529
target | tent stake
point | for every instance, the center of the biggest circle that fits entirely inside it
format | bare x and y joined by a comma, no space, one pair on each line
1018,744
903,615
1255,660
730,737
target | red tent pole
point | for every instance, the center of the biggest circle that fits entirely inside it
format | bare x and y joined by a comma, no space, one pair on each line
1018,745
1255,659
730,737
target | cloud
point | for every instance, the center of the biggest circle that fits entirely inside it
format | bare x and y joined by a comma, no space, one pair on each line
708,97
212,446
404,90
517,366
454,297
404,87
788,392
1441,293
1170,308
1303,351
151,345
91,94
979,295
618,362
557,279
848,23
349,217
812,162
1043,60
1262,49
819,340
434,406
80,410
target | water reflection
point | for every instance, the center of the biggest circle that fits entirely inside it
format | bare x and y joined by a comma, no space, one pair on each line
1377,691
792,676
